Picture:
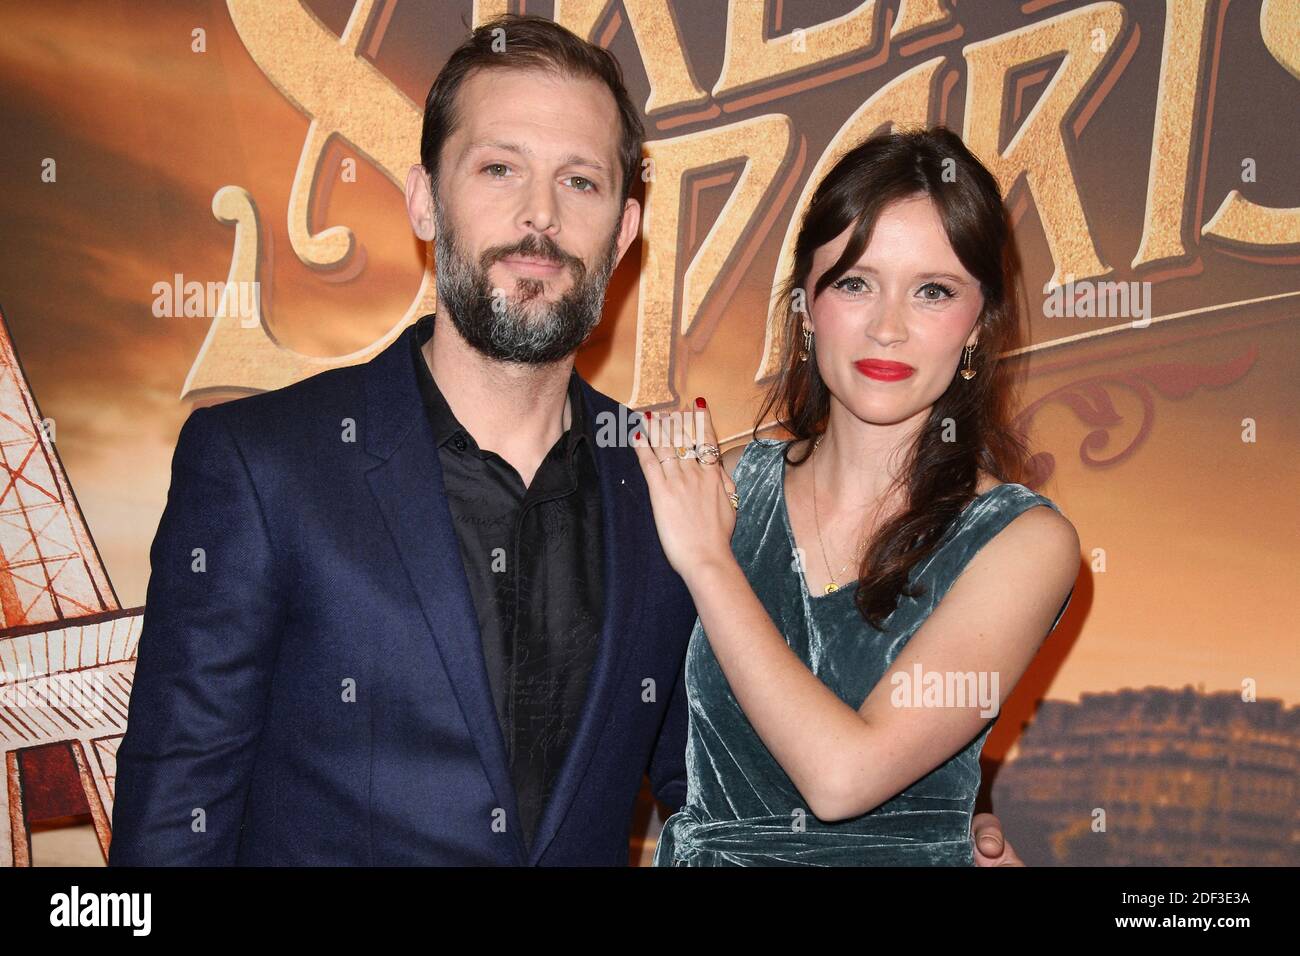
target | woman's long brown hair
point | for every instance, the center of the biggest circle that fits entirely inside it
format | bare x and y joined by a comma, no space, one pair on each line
938,477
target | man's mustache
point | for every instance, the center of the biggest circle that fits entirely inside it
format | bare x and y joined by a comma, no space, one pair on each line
533,247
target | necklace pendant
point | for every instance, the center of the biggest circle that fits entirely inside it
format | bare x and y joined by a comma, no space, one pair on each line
832,587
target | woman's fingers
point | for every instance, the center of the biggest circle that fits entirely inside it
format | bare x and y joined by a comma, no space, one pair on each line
708,435
659,438
703,421
647,455
674,438
669,439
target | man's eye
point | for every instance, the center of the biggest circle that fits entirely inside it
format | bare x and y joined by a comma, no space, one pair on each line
851,284
492,169
582,184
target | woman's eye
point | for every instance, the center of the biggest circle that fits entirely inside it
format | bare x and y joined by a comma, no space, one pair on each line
945,292
851,284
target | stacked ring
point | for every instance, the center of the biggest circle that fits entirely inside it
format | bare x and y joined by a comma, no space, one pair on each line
708,454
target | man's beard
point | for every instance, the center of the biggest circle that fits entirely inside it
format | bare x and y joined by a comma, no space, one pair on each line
503,327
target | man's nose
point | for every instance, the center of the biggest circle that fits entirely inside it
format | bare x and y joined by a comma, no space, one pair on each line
539,210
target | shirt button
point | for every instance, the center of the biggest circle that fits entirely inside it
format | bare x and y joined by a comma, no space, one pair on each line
459,443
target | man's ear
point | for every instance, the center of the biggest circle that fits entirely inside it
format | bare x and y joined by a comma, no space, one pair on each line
628,227
419,201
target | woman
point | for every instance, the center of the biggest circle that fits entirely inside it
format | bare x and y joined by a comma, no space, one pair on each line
837,720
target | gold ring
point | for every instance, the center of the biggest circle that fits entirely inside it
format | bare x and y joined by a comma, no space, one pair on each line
735,501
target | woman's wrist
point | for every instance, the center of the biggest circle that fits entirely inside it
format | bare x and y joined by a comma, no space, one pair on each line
709,570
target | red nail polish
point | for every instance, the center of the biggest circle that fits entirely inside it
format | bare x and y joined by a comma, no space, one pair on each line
700,403
636,437
647,415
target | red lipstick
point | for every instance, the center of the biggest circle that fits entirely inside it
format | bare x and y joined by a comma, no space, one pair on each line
884,371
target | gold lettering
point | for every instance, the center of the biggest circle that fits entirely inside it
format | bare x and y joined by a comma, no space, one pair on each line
1037,151
914,15
343,94
750,59
1171,144
1238,219
485,10
658,37
766,143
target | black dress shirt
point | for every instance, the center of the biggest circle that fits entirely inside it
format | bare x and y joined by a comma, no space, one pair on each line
533,557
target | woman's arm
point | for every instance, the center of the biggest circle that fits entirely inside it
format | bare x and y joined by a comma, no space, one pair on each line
845,761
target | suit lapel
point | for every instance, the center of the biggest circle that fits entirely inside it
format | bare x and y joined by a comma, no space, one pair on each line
408,488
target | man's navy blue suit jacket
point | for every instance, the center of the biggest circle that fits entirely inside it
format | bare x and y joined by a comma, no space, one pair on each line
310,686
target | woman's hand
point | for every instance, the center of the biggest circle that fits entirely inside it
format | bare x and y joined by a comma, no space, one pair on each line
692,512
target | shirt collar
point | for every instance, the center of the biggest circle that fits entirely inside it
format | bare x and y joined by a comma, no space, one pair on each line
446,426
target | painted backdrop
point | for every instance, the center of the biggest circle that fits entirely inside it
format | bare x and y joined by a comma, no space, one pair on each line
152,151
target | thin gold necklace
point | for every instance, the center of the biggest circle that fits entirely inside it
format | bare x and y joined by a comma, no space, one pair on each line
834,584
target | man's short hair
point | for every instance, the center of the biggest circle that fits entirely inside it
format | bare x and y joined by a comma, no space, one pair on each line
530,43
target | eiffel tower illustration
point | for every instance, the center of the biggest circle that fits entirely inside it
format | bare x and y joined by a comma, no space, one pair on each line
67,647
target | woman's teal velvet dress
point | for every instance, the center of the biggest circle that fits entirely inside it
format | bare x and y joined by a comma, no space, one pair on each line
742,809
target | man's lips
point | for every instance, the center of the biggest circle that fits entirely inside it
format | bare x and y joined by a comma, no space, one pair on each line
532,266
882,370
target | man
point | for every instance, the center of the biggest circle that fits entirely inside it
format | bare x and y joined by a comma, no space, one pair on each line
411,611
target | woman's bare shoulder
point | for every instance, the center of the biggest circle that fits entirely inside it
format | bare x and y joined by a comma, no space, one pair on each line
1045,530
1045,537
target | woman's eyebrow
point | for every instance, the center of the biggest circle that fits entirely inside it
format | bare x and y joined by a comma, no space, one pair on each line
920,275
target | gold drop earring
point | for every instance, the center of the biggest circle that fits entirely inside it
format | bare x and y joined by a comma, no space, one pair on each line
968,373
807,345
